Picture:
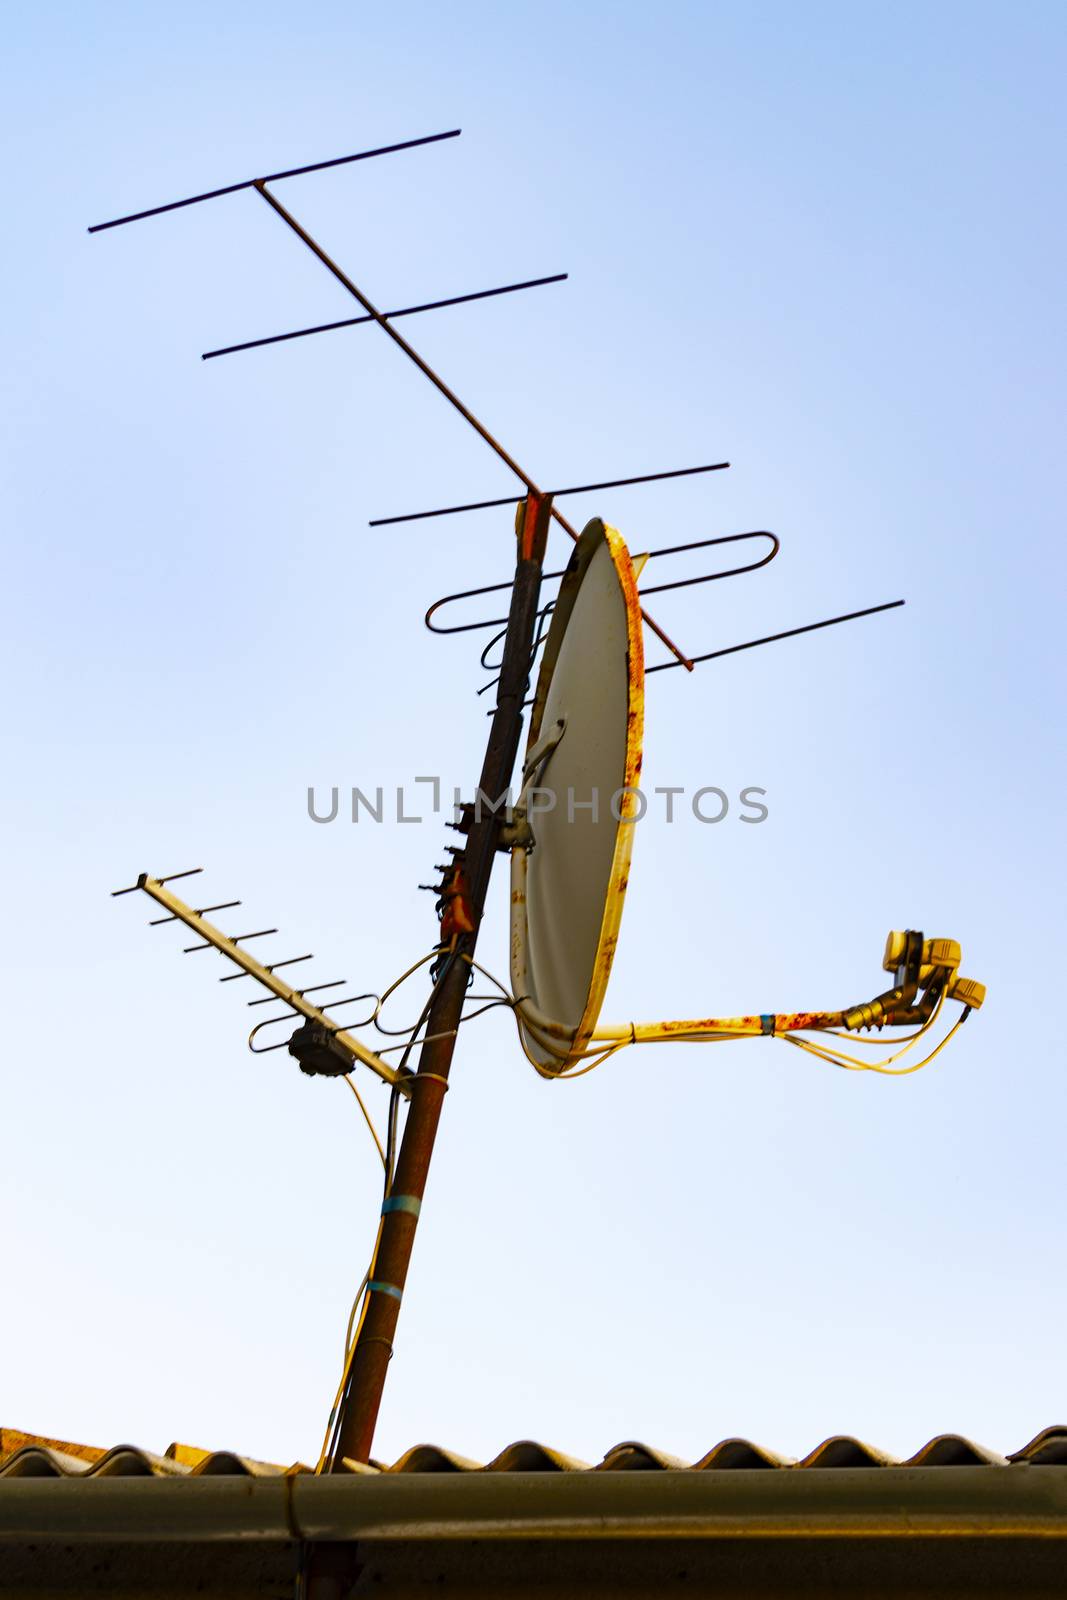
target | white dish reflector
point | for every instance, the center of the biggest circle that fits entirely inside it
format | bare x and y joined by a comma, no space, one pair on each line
582,766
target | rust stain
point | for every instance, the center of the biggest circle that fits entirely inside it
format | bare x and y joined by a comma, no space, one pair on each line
457,915
710,1024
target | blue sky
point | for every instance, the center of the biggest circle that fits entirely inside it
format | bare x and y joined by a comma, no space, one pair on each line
823,242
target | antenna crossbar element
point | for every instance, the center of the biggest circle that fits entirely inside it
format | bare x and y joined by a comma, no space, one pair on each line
513,499
201,911
273,177
787,633
404,311
280,990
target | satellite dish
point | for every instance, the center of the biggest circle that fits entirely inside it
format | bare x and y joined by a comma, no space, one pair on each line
578,805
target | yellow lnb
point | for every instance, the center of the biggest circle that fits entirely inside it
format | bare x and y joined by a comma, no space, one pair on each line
968,991
941,953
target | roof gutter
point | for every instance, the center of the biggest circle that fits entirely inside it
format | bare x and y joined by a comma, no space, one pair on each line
1015,1502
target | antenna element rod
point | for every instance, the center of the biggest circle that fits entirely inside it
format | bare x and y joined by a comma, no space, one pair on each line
581,488
272,177
405,311
789,633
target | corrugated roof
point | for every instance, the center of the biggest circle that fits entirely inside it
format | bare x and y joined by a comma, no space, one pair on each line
739,1522
26,1455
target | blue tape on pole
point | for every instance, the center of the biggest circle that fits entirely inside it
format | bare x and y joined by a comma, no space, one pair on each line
385,1288
767,1022
402,1202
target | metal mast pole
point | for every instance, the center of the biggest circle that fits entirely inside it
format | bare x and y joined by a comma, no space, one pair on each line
360,1403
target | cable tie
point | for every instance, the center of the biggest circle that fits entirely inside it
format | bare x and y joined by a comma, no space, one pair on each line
436,1077
376,1287
402,1202
377,1338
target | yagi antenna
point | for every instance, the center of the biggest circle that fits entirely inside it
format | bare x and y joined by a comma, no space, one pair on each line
322,1045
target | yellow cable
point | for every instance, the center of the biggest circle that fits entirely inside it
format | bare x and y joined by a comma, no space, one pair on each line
351,1340
366,1118
603,1055
902,1072
867,1066
393,987
852,1065
855,1038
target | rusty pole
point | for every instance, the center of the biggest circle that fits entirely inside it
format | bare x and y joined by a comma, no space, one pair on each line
374,1347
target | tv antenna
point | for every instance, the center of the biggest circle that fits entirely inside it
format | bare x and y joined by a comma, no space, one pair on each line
568,877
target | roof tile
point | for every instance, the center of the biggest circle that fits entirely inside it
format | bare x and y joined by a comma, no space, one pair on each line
526,1455
738,1455
845,1451
953,1450
632,1456
1048,1449
25,1455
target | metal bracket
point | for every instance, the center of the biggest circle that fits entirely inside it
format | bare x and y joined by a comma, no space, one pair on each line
517,834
